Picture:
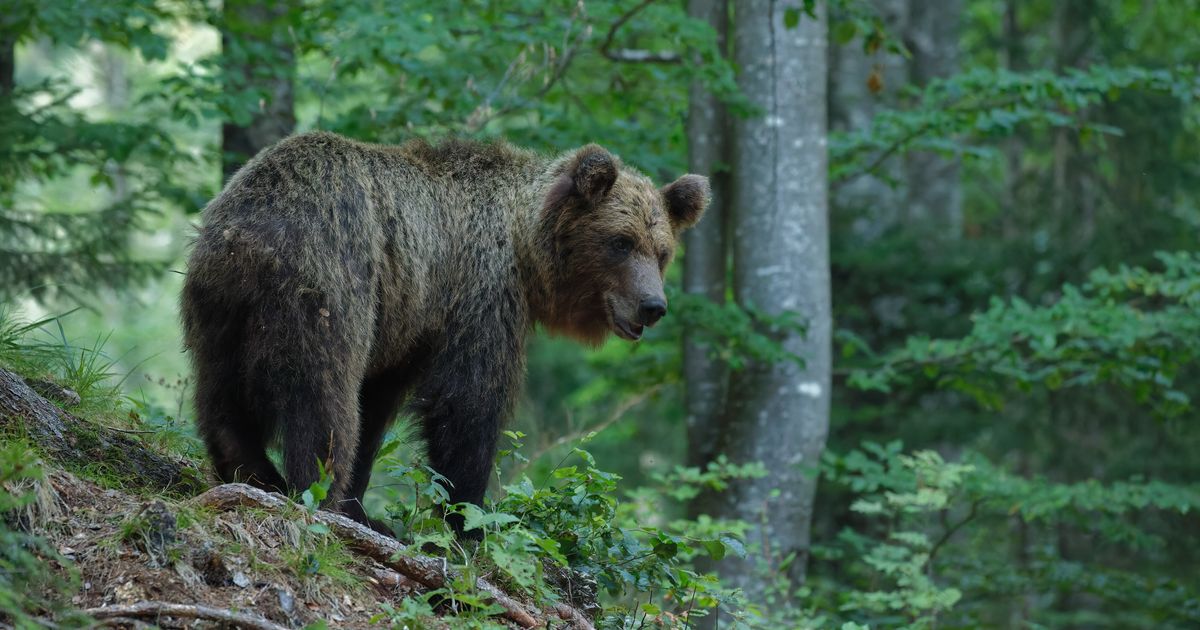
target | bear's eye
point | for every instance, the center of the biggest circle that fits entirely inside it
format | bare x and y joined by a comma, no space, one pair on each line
622,245
662,259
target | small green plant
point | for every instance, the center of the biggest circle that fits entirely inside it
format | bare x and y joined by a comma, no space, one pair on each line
29,590
573,520
320,553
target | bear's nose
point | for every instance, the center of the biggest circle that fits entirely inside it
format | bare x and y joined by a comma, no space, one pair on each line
651,310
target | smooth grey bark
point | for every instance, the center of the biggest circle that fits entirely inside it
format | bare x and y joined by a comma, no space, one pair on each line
706,254
778,414
934,191
254,37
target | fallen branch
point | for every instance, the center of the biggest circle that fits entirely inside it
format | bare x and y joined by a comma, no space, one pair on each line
190,611
428,571
637,55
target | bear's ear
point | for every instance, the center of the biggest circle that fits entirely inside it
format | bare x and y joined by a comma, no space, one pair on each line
590,175
687,197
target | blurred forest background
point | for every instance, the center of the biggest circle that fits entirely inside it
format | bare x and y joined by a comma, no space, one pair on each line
970,382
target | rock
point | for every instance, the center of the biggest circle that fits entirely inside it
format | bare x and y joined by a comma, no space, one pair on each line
158,531
240,580
287,603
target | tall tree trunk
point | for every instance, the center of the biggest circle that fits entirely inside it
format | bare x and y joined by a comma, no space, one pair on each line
934,195
254,38
1014,60
705,258
8,83
8,63
861,85
1074,199
778,414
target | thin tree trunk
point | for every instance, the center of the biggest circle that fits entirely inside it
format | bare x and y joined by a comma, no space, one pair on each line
1074,199
861,85
8,64
934,189
778,414
1014,60
8,83
704,262
255,36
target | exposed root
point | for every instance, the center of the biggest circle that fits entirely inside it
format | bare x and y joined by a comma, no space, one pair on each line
157,610
427,571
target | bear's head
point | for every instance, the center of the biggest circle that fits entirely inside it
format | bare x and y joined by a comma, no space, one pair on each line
610,234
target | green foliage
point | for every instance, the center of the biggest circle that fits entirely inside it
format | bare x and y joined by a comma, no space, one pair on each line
572,518
738,334
1133,327
928,518
316,492
29,589
73,244
41,350
953,115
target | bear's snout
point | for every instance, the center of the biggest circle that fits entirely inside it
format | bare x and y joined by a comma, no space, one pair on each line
651,310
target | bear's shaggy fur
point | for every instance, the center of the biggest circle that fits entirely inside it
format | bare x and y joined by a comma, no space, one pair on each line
333,279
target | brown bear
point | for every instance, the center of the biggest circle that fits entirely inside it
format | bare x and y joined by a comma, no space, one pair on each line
334,279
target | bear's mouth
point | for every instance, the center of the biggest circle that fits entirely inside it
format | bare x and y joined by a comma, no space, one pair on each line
624,328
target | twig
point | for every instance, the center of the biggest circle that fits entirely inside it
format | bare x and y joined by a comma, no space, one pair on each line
633,55
612,29
126,621
568,54
616,415
190,611
333,68
687,614
950,532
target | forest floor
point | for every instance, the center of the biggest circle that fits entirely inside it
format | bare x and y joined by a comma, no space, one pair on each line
130,549
143,539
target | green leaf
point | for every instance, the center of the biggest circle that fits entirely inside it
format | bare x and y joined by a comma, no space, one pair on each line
791,17
844,32
716,549
475,518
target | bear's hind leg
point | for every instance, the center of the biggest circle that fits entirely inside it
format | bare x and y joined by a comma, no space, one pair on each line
306,367
235,437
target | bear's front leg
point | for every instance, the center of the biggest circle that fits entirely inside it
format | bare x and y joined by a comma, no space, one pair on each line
463,400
